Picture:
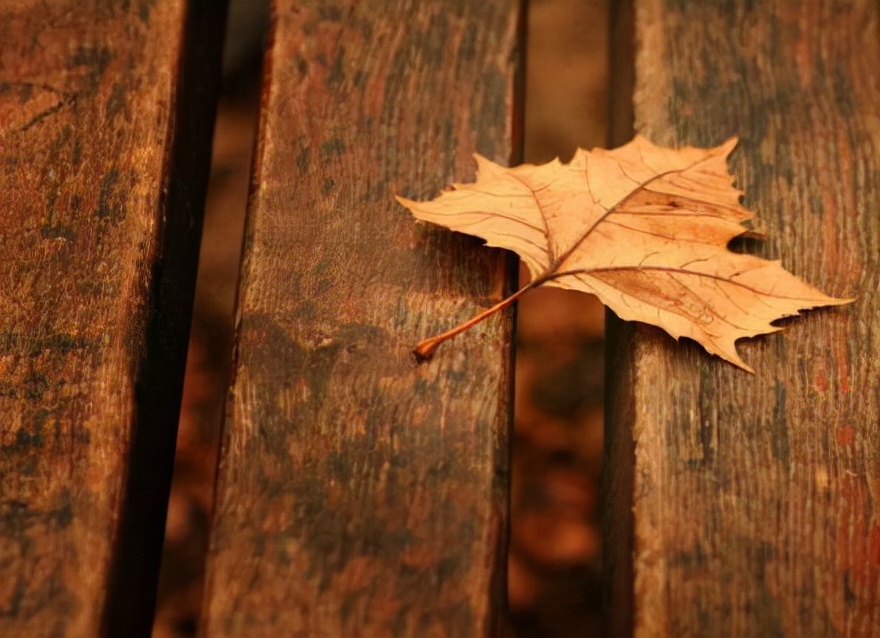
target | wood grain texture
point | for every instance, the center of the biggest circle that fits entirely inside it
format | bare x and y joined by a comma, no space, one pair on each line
756,499
361,494
97,264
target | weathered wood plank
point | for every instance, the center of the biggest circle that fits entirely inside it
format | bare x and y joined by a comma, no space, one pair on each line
361,494
97,264
756,499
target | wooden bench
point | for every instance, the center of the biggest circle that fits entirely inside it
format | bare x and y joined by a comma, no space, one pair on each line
361,494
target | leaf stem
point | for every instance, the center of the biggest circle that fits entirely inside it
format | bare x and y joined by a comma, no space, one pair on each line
424,349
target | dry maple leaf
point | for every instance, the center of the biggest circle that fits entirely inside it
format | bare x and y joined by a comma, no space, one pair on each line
643,228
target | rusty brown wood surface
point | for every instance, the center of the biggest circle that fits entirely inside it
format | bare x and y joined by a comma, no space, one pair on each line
362,494
756,499
99,103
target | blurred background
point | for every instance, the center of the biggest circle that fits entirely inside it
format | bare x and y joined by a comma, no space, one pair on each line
555,552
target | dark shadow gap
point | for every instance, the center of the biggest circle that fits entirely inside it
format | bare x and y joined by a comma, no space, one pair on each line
210,345
129,605
617,477
555,554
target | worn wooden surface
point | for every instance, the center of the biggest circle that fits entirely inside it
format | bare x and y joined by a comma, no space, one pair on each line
97,260
361,494
756,499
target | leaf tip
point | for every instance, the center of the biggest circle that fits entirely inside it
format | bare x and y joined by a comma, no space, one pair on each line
727,351
403,201
742,365
821,300
486,167
724,149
